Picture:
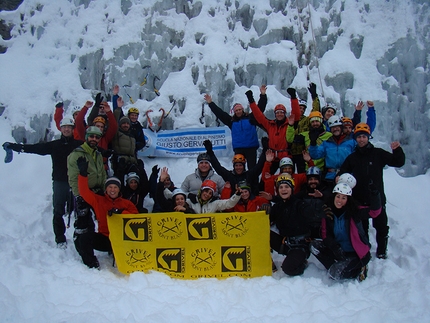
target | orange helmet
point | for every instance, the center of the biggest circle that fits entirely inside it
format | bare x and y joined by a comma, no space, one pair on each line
239,158
99,119
280,107
208,184
346,120
315,115
361,127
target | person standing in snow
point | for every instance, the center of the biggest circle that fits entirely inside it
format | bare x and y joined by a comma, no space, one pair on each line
243,127
367,163
345,249
107,205
59,150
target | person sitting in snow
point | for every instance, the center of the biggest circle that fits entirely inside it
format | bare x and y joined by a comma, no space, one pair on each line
107,205
248,201
135,189
345,249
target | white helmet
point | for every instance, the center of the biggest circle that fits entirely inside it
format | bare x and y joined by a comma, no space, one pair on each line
342,188
67,121
347,179
286,161
177,191
334,121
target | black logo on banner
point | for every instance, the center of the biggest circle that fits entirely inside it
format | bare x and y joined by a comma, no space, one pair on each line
235,226
201,228
235,259
171,259
170,228
137,229
203,259
138,258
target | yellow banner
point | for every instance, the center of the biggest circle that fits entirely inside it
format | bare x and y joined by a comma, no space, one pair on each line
191,246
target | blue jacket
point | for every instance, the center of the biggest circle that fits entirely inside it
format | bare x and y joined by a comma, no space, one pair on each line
334,153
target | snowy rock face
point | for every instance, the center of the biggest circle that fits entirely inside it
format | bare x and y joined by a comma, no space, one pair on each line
353,50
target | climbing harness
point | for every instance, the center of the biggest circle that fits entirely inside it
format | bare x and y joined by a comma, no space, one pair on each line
151,124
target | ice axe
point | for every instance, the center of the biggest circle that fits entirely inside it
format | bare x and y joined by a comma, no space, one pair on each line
145,79
131,99
153,84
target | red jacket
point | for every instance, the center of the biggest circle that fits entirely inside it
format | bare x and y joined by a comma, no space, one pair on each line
102,204
269,183
277,134
254,202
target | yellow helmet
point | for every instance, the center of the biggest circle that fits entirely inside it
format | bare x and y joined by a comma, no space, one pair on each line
315,115
285,178
133,110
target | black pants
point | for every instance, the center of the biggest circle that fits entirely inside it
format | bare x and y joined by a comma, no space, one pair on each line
295,261
59,199
380,223
350,267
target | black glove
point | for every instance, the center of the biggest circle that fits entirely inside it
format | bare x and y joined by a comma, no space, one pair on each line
313,90
292,93
115,210
14,147
327,211
99,100
313,136
83,166
339,254
82,207
106,152
249,96
265,143
265,207
155,170
59,105
208,145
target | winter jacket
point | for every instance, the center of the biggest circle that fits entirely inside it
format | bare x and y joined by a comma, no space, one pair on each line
59,150
136,130
243,130
253,204
334,151
167,204
213,205
102,204
124,146
289,217
276,130
367,165
324,135
136,196
96,171
193,182
358,237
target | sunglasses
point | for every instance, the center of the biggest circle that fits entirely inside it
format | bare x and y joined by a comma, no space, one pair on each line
95,137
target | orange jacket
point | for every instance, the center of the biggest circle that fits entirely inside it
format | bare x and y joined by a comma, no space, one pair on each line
269,183
254,203
102,204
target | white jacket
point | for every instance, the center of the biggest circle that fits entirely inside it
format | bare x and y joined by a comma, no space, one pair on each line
214,205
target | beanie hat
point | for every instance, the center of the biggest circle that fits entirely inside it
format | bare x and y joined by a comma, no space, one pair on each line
203,157
93,130
124,120
130,176
113,180
280,107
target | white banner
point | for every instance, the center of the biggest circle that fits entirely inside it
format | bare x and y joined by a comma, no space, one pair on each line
186,142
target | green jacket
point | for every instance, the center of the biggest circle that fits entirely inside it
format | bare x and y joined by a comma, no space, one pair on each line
296,141
305,137
96,170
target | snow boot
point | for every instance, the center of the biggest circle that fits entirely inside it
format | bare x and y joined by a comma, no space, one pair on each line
363,274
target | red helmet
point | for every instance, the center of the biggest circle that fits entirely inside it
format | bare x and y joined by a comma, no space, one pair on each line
280,107
208,184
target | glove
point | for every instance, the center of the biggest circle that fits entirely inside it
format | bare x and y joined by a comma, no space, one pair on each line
313,90
59,105
83,166
155,170
106,152
208,145
98,100
265,207
339,254
292,93
82,207
15,147
313,136
265,143
249,96
327,211
115,210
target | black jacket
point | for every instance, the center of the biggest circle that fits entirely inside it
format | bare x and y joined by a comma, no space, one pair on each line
59,150
366,164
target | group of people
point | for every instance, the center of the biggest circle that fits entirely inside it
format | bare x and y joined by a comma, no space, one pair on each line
318,178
